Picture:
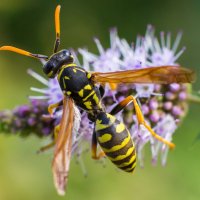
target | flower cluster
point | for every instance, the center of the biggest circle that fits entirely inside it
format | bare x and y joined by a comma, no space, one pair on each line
163,106
28,119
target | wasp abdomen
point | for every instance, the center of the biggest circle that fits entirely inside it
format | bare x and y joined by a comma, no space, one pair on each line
115,140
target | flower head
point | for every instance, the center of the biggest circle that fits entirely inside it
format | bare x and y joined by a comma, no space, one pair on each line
163,106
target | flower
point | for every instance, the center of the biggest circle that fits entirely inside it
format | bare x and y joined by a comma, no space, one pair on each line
163,106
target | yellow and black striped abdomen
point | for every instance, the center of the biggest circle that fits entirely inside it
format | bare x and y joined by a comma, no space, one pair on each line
115,140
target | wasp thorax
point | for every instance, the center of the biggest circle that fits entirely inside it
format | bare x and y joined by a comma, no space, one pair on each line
56,61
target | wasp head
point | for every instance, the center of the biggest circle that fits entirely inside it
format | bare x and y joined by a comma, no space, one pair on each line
56,61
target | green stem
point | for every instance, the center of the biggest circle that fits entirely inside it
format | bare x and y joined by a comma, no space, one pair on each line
193,98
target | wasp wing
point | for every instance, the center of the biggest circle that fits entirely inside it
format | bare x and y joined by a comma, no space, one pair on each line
159,75
62,153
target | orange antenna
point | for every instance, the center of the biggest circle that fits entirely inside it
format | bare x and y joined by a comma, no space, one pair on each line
22,52
57,27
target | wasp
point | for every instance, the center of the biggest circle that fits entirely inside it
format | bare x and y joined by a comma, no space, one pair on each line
84,89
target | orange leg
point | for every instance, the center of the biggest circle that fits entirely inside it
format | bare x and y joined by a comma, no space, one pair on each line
140,118
56,129
94,148
50,145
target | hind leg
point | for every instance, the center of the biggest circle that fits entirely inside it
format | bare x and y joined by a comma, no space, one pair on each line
94,148
140,118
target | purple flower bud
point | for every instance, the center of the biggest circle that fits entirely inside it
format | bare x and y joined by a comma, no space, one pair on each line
22,111
145,109
168,105
31,121
153,104
157,88
154,117
174,87
182,96
170,95
176,110
46,130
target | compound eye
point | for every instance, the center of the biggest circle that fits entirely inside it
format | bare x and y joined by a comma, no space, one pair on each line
66,53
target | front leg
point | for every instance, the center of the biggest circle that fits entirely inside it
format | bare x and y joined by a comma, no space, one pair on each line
51,107
50,145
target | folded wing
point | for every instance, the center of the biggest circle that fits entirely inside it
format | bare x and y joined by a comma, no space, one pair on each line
62,153
159,75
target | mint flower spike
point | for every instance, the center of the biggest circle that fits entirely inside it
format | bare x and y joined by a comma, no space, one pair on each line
162,105
27,120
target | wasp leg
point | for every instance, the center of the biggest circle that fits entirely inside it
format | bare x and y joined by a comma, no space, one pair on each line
51,107
102,90
140,118
94,148
50,145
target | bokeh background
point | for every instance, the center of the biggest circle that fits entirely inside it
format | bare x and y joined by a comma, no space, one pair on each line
30,25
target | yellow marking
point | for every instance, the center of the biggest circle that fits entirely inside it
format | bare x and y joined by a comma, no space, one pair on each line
105,138
66,77
120,127
127,163
70,65
89,95
89,75
100,126
68,92
63,67
87,87
74,70
130,168
80,93
96,99
80,70
119,146
50,74
121,157
98,121
64,83
88,105
111,117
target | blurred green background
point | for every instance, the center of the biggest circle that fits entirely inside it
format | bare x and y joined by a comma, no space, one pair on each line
30,25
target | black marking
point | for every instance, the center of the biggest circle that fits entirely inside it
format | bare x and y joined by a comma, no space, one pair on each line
122,151
128,166
127,159
131,170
